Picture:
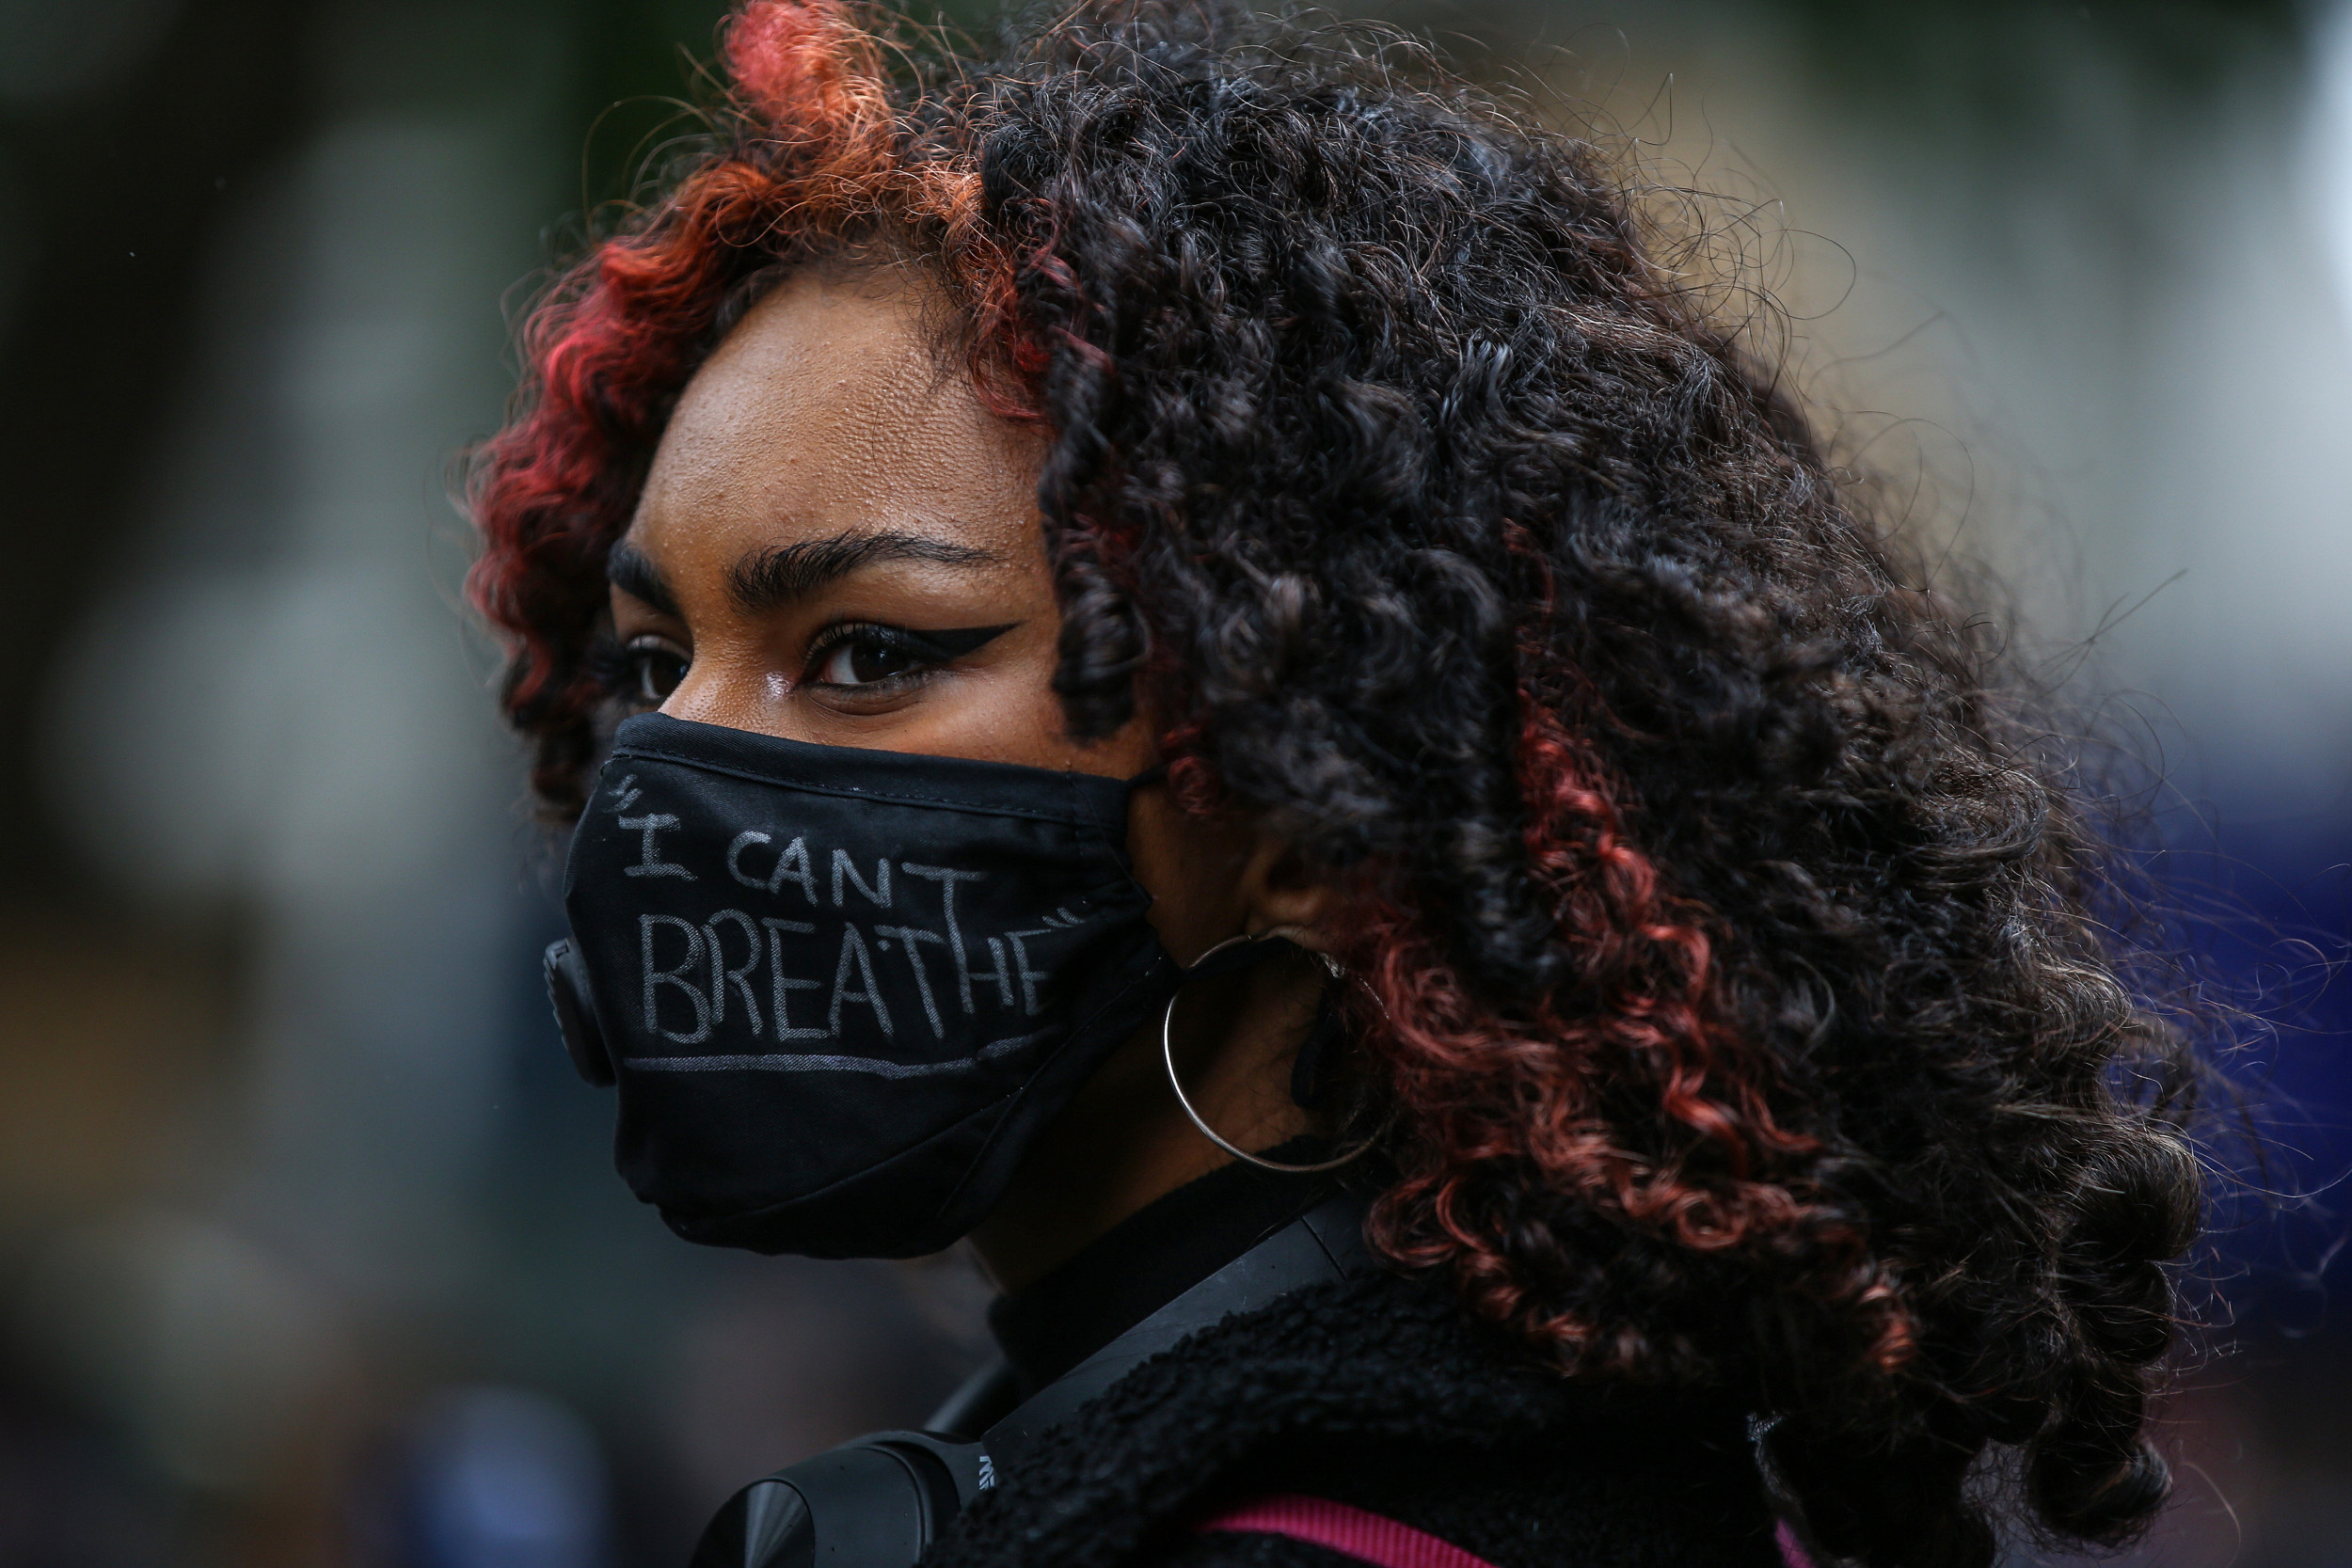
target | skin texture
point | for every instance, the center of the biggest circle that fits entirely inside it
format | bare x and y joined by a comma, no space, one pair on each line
824,424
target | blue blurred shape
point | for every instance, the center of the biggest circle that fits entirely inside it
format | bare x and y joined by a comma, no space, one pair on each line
505,1478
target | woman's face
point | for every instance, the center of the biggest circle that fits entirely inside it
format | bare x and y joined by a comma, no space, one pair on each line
837,542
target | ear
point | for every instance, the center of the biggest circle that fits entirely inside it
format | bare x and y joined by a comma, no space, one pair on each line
1280,888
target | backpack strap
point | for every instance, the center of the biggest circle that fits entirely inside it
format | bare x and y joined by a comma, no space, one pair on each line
1371,1538
1324,1243
1380,1540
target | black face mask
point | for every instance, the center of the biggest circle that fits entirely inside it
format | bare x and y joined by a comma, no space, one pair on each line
843,989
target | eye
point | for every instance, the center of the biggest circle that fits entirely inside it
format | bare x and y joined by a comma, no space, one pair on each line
650,671
867,655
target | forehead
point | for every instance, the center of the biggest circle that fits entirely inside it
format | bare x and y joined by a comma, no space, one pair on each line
827,410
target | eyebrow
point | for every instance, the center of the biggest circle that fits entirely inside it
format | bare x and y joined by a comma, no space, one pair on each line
770,579
629,569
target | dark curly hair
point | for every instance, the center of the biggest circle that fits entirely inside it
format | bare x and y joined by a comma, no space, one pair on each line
1735,967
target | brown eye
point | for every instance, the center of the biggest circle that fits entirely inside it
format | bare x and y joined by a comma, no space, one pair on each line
863,662
870,655
655,669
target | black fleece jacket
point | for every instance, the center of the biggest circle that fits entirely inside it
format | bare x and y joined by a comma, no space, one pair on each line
1383,1393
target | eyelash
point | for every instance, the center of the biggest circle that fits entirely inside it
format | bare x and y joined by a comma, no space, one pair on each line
620,669
617,668
929,654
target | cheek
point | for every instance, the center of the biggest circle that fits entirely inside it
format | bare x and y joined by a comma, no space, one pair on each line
1193,870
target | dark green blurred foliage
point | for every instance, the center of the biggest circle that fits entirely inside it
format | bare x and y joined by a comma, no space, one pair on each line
116,185
641,70
1991,74
2000,55
118,188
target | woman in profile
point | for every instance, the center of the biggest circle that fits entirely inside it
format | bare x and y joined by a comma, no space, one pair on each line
1186,628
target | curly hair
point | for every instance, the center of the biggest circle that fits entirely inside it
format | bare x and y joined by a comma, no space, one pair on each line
1733,961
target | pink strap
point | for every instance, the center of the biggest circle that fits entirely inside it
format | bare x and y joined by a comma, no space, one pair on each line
1382,1542
1349,1531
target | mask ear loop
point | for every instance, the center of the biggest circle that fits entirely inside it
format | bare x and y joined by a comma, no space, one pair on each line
1168,1055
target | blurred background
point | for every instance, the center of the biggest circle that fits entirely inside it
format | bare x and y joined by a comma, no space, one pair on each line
311,1252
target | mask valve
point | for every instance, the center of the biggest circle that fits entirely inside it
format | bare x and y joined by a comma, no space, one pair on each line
567,992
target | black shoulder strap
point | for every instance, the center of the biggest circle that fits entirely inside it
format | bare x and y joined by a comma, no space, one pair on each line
880,1502
1324,1243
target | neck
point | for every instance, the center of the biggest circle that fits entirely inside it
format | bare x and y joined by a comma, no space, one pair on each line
1124,1141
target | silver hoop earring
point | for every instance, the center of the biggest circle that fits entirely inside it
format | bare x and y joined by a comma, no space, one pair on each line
1168,1055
